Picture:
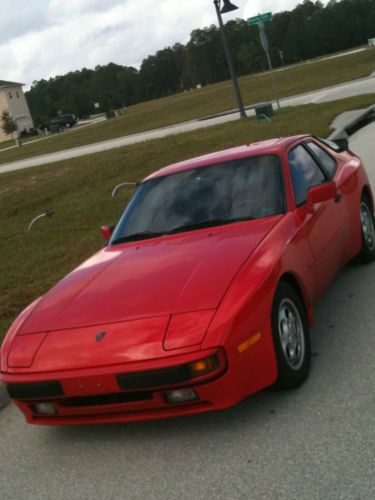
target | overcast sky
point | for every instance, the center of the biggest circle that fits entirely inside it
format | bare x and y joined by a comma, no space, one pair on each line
44,38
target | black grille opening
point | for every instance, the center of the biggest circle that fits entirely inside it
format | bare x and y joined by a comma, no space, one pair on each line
36,390
154,378
106,399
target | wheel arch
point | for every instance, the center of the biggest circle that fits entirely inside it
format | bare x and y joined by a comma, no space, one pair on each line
366,191
296,284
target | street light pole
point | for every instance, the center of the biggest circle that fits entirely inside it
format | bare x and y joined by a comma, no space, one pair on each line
236,87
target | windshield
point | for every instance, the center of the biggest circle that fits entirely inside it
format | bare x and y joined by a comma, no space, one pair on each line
243,189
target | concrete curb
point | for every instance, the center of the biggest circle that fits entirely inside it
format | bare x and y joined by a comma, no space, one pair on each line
353,124
4,397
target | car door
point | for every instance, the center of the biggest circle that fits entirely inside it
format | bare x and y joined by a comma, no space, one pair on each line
326,227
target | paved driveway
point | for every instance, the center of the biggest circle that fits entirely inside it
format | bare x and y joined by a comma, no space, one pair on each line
313,443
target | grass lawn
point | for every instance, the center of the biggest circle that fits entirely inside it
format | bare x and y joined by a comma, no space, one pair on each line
24,140
208,100
79,191
6,144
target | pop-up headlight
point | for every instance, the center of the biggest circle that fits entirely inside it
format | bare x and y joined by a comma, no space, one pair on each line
187,329
13,330
23,350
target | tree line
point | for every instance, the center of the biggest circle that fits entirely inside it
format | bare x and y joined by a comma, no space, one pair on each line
310,30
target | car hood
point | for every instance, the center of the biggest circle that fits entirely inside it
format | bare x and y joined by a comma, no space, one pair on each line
167,275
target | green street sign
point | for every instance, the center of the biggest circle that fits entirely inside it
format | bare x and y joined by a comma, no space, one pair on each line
253,20
261,18
266,17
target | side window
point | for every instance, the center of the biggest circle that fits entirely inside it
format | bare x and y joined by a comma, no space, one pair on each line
326,160
305,173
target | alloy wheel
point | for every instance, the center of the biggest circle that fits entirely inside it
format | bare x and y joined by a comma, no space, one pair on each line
291,334
367,224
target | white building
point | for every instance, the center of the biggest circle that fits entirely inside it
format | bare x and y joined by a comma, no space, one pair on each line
13,99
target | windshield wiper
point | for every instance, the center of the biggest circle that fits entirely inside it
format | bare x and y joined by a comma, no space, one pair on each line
207,223
145,235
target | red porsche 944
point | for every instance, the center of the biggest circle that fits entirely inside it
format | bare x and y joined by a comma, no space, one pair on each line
204,293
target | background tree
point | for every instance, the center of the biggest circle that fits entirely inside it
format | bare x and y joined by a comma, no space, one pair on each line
310,30
9,126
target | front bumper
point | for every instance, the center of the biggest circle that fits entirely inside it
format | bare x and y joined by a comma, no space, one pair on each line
102,396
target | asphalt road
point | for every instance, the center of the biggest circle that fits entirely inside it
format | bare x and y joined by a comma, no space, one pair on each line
356,87
313,443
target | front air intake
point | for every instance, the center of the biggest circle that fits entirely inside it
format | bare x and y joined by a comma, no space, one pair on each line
36,390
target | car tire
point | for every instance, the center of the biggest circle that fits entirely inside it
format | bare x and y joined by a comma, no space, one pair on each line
367,253
291,338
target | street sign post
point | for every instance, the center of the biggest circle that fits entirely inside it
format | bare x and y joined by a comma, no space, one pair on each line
259,20
263,38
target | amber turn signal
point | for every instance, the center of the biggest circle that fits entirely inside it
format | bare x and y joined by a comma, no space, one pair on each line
249,342
204,366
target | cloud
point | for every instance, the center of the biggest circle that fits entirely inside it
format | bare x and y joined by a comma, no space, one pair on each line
44,38
69,8
16,22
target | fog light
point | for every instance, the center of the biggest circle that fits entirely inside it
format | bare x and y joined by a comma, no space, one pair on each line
45,409
181,396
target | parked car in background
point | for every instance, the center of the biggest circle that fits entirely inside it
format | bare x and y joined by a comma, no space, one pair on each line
204,293
61,122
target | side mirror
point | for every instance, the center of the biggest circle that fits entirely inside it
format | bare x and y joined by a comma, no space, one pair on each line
107,232
321,193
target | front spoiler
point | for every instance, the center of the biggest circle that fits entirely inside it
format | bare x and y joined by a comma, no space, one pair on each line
96,392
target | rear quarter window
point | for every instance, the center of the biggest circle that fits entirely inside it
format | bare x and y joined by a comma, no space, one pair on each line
326,160
305,173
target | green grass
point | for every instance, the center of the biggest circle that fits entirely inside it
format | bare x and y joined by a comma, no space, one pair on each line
208,100
24,140
79,191
6,144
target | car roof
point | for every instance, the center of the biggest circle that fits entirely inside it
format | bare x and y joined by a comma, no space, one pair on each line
270,146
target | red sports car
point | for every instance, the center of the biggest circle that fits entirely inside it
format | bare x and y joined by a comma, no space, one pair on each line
204,293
